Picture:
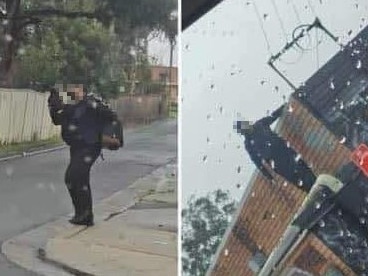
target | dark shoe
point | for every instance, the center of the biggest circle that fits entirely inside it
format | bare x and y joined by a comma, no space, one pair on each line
85,220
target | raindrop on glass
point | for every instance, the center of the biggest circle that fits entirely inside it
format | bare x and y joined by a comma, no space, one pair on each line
9,171
290,108
8,38
204,158
358,64
52,187
87,159
72,127
342,140
40,186
272,164
298,157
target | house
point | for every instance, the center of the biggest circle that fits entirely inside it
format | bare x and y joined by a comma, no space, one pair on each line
327,120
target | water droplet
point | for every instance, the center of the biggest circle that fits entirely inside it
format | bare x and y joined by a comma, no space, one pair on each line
350,250
204,158
358,122
365,211
52,187
9,171
253,194
318,205
339,212
358,64
238,169
273,216
341,233
72,127
298,157
238,186
290,108
272,164
332,85
94,104
342,140
362,220
87,159
300,183
226,252
252,142
348,83
40,186
322,223
265,16
341,105
288,144
285,184
8,38
221,109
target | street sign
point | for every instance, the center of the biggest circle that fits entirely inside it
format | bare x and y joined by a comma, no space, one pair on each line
360,158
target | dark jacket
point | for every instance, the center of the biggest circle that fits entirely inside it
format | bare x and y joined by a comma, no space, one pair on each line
263,144
81,123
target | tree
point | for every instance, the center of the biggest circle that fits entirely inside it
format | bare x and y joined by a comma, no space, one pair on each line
204,224
17,16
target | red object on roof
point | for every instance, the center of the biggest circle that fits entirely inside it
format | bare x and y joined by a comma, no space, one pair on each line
360,158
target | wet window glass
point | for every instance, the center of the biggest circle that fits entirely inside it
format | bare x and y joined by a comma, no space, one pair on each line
88,137
273,99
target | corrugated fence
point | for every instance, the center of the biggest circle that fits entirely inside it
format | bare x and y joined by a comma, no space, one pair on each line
24,114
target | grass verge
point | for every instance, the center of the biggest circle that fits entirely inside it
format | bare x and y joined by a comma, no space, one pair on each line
19,148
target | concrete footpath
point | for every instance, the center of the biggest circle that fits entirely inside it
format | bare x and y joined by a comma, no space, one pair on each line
135,234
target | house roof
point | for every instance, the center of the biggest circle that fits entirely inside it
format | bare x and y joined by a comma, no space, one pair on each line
312,129
333,89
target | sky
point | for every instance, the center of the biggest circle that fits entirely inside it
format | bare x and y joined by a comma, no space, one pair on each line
159,50
225,77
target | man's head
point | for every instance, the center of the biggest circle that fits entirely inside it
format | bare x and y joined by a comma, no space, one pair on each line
77,92
244,127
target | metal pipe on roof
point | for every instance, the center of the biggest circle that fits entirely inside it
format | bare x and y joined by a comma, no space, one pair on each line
318,202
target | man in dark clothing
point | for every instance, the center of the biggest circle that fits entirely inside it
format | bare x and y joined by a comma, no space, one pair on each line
81,128
266,147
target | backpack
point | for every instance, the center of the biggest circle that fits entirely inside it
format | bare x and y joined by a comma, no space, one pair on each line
113,135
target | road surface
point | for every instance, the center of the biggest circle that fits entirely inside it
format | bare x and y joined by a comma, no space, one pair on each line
32,191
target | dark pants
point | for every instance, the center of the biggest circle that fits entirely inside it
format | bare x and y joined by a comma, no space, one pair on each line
77,177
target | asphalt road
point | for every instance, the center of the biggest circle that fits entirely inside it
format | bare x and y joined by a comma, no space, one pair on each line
32,191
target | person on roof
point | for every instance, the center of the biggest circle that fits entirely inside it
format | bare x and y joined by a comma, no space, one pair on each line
269,151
